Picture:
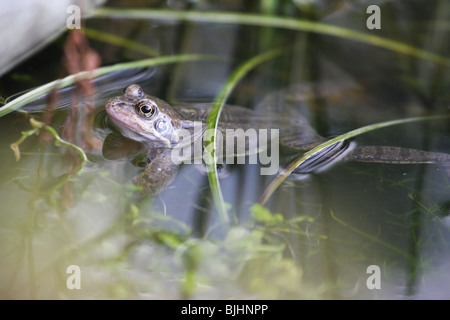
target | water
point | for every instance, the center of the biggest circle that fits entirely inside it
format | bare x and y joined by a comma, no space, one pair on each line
316,237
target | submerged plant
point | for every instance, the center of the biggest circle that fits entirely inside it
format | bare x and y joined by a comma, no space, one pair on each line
132,246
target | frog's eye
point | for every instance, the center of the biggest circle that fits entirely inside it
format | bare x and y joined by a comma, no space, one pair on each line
146,108
134,91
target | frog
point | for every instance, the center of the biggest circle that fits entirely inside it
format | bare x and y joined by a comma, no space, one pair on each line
154,124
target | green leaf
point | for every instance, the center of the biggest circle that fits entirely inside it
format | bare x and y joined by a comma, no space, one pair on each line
262,214
213,120
71,79
286,172
275,22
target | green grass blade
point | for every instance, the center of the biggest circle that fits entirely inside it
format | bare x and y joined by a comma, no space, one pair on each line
71,79
374,239
213,120
275,22
287,171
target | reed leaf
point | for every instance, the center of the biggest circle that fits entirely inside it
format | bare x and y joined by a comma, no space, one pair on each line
275,22
213,121
71,79
351,134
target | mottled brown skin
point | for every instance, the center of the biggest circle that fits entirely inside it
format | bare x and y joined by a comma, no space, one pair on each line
158,175
296,135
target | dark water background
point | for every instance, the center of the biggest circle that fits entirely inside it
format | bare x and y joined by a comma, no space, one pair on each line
325,230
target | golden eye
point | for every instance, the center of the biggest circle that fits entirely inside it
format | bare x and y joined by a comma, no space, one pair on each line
146,108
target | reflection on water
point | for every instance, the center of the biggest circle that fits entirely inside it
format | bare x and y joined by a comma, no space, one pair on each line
315,238
105,85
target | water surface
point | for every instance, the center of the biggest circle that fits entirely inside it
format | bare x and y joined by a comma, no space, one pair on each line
315,238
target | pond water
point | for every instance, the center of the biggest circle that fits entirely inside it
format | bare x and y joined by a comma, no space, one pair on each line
337,234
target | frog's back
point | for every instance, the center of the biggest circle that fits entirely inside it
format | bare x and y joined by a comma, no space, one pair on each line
230,117
295,132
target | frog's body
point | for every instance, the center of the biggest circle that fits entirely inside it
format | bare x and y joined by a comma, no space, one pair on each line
154,123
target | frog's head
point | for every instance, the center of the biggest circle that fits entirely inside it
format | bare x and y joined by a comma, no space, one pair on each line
143,118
